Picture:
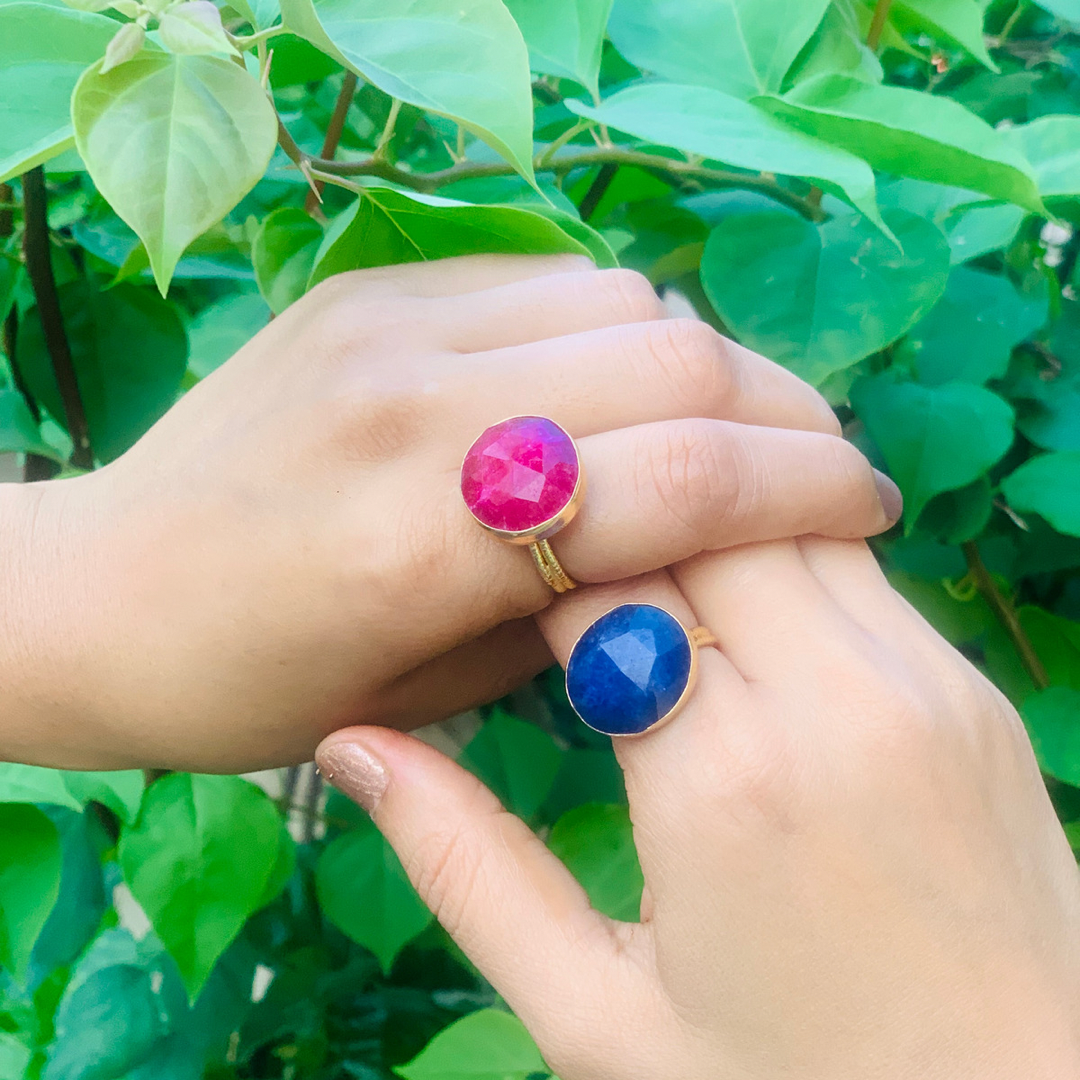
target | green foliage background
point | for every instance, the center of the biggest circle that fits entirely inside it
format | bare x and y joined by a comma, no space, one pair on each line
885,197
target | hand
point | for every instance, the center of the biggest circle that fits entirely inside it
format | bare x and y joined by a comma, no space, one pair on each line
287,551
852,868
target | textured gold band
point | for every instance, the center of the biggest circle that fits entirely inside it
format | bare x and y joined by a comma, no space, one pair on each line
550,569
701,637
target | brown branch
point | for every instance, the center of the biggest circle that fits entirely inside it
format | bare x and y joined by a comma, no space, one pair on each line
36,249
682,172
877,23
597,190
1006,614
333,134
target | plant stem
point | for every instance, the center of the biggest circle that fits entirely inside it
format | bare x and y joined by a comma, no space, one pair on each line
1003,608
682,172
597,190
388,130
333,134
39,268
1010,23
877,23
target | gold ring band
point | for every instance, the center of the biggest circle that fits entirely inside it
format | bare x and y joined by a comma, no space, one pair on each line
550,568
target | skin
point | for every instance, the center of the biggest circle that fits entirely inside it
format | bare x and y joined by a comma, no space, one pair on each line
287,552
852,868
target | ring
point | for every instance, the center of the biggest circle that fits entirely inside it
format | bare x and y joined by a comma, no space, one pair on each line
633,669
522,480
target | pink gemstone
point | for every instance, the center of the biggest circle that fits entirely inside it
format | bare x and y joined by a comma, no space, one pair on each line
519,474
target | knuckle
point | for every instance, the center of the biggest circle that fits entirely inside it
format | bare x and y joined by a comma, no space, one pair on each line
629,295
691,473
703,378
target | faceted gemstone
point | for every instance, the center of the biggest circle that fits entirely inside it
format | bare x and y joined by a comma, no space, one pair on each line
629,669
519,474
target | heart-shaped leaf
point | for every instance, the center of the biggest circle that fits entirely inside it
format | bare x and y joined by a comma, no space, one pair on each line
205,135
934,438
819,297
1048,485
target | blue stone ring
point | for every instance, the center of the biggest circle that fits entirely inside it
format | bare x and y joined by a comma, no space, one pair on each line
633,669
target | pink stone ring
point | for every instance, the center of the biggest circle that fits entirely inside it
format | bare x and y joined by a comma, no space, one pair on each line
522,480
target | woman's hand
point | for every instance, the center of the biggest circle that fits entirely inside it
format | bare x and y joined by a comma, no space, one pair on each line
852,867
287,551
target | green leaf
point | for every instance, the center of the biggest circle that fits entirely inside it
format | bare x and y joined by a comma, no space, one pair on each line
120,791
957,21
819,297
118,1017
516,760
596,842
724,128
934,438
33,784
955,517
485,1045
464,59
283,253
1052,145
194,28
19,434
838,45
221,329
1052,718
43,51
1046,388
364,892
206,133
384,227
972,330
129,349
565,37
910,133
15,1056
743,47
1057,643
76,916
30,864
978,229
1048,485
1069,10
198,861
262,14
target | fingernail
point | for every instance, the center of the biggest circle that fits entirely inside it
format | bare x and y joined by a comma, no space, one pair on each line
355,772
892,501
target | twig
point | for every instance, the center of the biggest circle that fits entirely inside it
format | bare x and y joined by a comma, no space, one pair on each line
597,190
39,269
388,132
877,23
333,134
1006,614
683,172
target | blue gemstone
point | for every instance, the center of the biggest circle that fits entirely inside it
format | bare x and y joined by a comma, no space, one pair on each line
629,669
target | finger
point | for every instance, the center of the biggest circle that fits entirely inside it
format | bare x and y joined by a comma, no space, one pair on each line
848,571
478,672
535,309
770,614
665,765
508,902
626,375
660,493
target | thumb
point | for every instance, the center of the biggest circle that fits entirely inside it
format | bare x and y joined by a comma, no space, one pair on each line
508,902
